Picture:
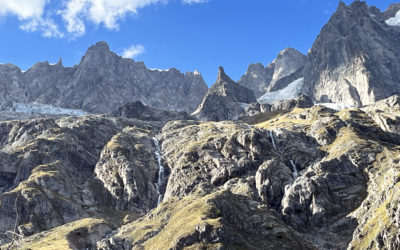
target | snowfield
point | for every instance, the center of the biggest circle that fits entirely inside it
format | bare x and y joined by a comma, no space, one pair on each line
334,106
394,21
290,92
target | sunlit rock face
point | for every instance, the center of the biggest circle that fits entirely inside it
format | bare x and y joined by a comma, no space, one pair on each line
355,59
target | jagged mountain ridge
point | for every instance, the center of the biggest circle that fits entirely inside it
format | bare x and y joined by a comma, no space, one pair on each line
262,79
101,83
355,59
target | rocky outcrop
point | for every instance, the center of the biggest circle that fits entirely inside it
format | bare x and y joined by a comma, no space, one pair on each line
262,79
101,83
47,171
225,100
258,112
139,111
309,178
128,169
220,220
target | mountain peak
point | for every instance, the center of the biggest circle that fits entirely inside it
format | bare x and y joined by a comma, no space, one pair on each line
223,77
103,46
221,73
99,55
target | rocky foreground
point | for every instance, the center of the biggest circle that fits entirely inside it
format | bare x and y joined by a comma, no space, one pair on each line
311,178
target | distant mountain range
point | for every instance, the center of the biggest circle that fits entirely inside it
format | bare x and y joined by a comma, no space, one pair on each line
101,83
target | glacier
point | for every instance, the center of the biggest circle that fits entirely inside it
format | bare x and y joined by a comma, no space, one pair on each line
292,91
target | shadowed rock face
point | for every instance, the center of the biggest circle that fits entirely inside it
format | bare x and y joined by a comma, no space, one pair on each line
101,83
139,111
225,100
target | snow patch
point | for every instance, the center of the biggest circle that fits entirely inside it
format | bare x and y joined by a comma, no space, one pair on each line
36,108
196,72
254,75
292,91
335,106
394,21
160,70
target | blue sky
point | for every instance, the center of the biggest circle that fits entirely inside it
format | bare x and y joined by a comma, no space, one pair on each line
185,34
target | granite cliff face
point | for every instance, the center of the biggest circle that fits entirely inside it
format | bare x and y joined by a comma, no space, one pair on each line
354,60
101,83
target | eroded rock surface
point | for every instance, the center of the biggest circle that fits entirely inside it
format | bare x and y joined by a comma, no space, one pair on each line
309,178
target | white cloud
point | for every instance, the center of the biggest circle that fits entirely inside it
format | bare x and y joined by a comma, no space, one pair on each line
24,9
30,13
133,51
106,12
194,1
72,15
394,21
39,15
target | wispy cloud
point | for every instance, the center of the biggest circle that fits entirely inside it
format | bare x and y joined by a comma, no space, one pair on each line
133,51
100,12
30,13
46,26
194,1
76,14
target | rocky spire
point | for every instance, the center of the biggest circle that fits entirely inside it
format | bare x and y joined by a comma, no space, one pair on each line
224,100
223,77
